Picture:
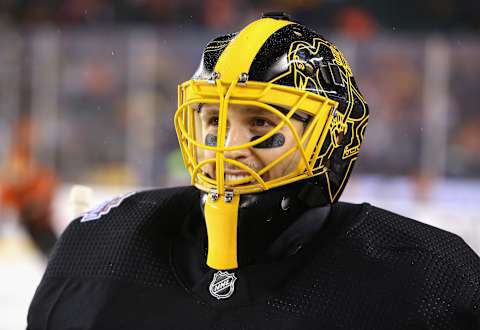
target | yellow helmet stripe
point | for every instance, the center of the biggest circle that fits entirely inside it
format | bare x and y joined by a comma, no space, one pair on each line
240,52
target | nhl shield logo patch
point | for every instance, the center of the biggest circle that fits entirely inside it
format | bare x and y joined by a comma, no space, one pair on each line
222,285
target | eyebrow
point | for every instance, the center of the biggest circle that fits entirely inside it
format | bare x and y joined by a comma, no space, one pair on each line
295,115
249,110
257,111
261,111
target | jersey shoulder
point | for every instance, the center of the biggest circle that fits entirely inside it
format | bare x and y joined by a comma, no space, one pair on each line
136,207
141,203
379,231
124,235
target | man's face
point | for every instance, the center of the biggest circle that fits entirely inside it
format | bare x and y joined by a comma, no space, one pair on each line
246,123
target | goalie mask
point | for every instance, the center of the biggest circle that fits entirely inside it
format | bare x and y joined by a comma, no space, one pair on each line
271,105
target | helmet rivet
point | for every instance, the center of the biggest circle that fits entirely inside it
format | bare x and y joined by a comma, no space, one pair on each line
243,78
285,204
228,196
213,195
214,76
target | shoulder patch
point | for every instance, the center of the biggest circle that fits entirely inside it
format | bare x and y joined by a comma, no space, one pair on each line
104,208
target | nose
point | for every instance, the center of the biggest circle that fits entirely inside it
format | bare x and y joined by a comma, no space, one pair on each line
237,135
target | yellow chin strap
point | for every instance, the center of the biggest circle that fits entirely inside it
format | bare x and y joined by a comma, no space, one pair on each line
221,216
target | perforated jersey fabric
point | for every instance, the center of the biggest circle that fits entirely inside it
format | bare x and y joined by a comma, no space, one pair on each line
142,266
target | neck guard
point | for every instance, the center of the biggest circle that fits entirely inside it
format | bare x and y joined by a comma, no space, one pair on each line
275,223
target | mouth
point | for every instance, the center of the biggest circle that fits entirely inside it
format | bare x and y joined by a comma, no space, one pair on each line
231,177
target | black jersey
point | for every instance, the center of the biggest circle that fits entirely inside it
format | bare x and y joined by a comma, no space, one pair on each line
142,266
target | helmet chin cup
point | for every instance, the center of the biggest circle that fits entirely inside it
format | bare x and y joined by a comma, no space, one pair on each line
221,217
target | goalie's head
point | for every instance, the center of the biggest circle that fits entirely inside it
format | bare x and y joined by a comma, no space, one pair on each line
270,105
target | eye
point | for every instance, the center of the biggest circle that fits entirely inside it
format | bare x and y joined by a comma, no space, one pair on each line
213,121
261,122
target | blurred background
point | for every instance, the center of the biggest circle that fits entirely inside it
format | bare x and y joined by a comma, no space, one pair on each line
88,92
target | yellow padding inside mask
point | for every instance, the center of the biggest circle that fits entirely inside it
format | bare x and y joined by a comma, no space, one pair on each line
221,218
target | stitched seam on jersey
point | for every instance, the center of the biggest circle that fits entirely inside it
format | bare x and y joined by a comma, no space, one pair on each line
178,278
454,264
434,254
260,303
363,216
373,211
54,305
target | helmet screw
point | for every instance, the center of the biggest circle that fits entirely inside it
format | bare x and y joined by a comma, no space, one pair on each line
228,196
214,76
285,204
335,112
242,79
213,195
